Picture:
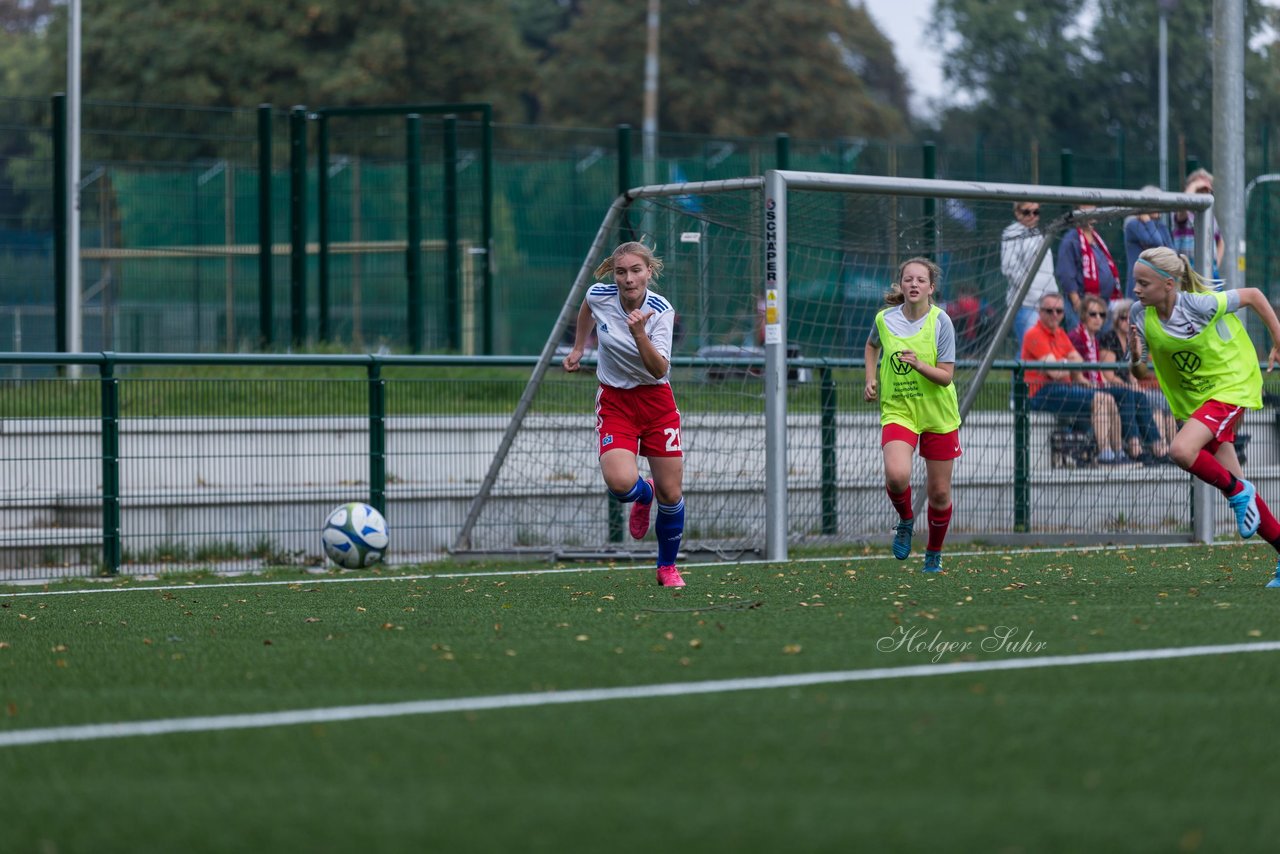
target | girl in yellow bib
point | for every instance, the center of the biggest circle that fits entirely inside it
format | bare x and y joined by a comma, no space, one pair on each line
914,345
1208,369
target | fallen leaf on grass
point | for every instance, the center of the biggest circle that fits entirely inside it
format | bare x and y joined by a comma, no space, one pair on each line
791,649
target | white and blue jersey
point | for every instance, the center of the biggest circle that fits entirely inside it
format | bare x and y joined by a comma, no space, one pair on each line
618,362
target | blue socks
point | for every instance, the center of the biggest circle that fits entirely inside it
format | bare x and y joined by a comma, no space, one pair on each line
669,530
641,492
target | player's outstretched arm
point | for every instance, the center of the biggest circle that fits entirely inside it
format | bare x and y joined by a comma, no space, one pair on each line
1261,306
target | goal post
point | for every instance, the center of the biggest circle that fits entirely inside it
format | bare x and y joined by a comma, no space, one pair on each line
785,280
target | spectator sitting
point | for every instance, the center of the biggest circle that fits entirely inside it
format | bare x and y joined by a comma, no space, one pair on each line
1114,347
1062,392
1137,426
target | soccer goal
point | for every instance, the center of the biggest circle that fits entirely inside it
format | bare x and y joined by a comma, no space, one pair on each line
776,280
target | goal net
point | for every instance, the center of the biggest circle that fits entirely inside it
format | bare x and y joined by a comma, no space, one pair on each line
776,281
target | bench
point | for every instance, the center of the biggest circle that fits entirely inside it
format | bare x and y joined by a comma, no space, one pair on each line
1071,443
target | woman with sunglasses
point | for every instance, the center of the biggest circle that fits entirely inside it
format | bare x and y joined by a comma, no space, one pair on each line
1019,243
1137,427
1115,348
1208,369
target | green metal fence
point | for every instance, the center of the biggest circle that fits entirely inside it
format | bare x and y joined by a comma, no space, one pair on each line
175,217
146,463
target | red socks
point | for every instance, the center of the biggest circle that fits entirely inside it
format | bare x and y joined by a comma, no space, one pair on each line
1207,468
939,521
901,502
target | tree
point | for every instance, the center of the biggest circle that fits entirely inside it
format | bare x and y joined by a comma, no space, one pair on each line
25,16
1034,72
1128,67
1017,60
238,53
815,68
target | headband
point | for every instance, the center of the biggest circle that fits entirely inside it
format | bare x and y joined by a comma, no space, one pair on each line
1157,269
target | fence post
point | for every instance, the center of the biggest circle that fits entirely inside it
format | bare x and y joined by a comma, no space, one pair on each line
60,222
1021,453
1067,165
624,177
413,252
452,291
377,438
298,225
322,223
110,467
1121,177
1265,169
830,497
486,227
782,150
266,254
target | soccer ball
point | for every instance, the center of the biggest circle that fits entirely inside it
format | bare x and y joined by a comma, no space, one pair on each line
354,536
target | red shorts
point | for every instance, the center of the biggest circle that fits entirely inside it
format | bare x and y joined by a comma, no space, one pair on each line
1221,418
933,446
643,420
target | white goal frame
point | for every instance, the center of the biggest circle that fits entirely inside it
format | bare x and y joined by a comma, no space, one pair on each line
775,186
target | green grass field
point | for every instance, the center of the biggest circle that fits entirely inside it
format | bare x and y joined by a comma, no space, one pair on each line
1160,755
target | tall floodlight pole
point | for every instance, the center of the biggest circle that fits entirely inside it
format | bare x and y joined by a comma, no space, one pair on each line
650,127
1228,133
1166,6
74,342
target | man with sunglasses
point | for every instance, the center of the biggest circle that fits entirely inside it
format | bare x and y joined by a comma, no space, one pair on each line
1062,392
1018,246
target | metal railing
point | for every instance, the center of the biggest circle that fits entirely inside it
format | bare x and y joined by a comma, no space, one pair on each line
228,462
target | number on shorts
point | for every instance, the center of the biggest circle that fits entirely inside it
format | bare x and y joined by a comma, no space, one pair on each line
673,438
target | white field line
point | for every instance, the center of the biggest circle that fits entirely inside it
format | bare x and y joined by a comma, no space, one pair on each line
89,732
143,586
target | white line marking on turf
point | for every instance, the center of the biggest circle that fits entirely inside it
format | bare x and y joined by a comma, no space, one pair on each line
143,586
89,732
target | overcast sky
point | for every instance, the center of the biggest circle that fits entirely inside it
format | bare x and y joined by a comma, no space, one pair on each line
903,22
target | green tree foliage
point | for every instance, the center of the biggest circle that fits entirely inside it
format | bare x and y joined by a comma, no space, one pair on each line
1016,62
1040,69
317,52
817,68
